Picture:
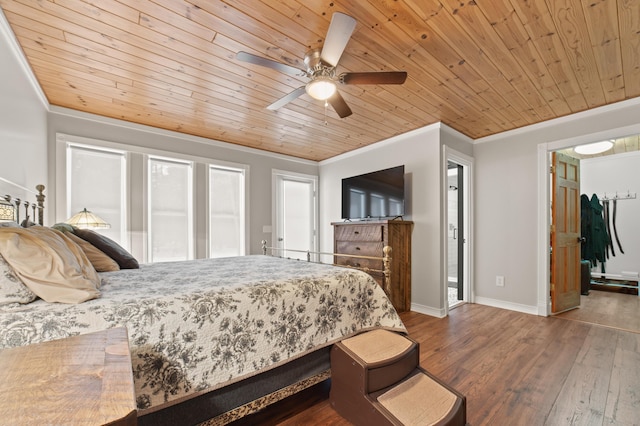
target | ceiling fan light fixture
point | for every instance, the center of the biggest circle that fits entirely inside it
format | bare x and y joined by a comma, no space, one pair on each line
594,148
321,88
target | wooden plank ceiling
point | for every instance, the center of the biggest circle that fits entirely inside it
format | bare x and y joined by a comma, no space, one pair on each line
481,67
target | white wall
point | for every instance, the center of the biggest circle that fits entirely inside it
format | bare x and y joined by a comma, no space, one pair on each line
23,120
420,152
611,174
511,201
505,221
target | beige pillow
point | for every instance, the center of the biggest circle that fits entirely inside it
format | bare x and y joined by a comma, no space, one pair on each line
49,264
100,261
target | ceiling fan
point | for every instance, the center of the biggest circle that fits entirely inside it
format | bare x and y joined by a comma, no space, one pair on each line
321,69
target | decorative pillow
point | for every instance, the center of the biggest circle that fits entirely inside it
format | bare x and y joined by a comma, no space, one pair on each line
98,259
11,288
64,227
124,259
50,264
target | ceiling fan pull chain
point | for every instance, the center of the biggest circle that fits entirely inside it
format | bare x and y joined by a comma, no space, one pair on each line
326,105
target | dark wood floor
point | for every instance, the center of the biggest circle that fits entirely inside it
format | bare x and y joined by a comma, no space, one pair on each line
514,369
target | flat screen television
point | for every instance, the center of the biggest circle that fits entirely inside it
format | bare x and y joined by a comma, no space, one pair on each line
375,195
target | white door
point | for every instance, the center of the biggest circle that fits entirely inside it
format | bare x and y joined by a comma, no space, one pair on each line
457,226
295,214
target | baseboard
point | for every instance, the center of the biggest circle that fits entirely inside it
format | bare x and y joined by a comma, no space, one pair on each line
428,310
526,309
440,313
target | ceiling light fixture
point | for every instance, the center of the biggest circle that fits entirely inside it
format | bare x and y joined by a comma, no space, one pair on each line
321,88
594,148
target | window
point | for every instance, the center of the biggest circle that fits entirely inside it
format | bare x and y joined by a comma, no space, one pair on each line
161,206
96,181
170,211
226,211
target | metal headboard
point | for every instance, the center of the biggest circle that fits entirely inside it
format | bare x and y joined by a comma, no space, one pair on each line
36,206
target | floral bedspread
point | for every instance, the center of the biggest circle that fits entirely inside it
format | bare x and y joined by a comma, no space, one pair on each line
198,325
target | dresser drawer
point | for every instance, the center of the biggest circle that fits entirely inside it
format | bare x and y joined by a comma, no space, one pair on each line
360,248
359,233
359,263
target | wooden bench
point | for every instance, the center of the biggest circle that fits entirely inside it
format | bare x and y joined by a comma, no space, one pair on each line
376,379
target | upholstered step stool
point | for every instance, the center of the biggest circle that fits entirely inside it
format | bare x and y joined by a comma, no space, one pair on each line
376,380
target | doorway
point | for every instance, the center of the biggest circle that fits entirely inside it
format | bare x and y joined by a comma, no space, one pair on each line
295,215
455,233
622,145
457,228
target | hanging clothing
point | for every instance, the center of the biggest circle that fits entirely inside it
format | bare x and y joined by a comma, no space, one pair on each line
587,249
594,231
607,221
615,231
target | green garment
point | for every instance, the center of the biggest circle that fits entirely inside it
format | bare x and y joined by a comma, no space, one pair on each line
594,231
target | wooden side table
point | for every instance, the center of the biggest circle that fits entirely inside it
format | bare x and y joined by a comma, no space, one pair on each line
83,379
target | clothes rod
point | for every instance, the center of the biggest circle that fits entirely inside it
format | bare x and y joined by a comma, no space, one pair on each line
616,196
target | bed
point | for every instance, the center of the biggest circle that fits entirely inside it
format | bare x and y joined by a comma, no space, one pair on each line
212,340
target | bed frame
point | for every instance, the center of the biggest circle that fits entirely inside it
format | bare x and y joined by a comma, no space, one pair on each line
37,206
386,260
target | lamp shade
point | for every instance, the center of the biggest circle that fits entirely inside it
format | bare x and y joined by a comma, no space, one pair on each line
322,88
7,211
87,220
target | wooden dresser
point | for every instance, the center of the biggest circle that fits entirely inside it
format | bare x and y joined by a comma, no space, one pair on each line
367,238
80,380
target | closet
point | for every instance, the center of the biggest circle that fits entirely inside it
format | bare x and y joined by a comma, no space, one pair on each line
609,210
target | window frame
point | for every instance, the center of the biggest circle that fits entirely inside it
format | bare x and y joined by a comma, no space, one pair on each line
244,169
137,205
63,209
190,196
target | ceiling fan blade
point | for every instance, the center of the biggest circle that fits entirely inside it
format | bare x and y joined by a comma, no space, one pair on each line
339,105
338,36
287,98
269,63
383,77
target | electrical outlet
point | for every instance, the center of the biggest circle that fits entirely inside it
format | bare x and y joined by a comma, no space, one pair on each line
500,281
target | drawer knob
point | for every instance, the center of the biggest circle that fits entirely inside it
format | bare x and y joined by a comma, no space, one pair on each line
357,248
356,232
